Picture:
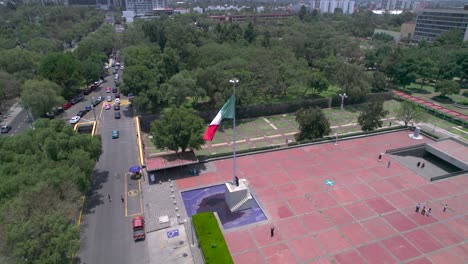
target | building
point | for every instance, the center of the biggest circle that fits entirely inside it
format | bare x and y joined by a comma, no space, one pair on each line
397,4
432,22
407,30
145,7
255,18
330,6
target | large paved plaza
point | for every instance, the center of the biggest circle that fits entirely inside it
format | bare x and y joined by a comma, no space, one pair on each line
365,214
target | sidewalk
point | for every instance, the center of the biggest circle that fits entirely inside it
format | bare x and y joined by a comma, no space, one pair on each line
433,106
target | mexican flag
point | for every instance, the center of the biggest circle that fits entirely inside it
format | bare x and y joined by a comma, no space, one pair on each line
228,111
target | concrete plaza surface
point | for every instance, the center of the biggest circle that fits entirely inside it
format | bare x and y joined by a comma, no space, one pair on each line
338,204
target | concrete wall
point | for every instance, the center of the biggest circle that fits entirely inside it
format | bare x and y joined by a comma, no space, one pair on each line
446,157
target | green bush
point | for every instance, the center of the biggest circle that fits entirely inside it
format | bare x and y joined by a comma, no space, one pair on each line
211,239
465,93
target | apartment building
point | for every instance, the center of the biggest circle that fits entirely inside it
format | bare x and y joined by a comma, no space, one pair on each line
432,22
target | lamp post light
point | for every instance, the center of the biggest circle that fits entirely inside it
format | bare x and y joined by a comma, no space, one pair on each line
343,96
336,139
234,81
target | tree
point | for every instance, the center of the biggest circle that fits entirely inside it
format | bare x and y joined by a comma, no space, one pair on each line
353,80
302,13
409,111
426,70
41,96
181,86
312,124
447,87
379,82
369,119
452,37
249,33
178,129
317,82
43,239
63,69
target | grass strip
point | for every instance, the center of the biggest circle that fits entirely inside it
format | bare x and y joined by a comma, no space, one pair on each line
211,239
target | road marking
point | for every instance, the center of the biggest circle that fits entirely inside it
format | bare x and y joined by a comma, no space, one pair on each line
132,192
126,200
268,121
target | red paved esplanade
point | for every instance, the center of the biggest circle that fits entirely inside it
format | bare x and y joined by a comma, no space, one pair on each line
367,216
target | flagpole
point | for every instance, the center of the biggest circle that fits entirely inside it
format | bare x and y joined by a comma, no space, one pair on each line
234,81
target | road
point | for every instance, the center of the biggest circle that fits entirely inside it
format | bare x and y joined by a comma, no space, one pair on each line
106,233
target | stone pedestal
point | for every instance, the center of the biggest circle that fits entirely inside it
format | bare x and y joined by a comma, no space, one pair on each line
237,197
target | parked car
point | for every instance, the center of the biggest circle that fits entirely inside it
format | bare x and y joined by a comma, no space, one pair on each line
87,91
108,89
50,115
109,98
88,108
115,134
117,100
58,110
117,95
74,101
100,98
96,102
115,71
116,107
138,224
5,129
117,83
67,105
81,113
116,76
117,114
80,97
107,106
75,119
114,90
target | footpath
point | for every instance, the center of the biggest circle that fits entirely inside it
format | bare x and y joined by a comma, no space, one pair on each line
433,106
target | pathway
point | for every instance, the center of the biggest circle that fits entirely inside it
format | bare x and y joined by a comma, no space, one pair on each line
432,106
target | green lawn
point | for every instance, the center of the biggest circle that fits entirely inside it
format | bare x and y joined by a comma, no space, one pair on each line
211,239
286,123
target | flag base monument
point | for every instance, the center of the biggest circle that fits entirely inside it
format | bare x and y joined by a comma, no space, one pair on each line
237,196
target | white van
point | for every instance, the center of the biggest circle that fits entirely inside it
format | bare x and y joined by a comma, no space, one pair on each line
116,76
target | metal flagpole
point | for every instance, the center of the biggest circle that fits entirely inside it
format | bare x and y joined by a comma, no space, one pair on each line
234,81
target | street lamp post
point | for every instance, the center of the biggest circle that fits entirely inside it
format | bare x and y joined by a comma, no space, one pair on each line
234,81
343,96
336,139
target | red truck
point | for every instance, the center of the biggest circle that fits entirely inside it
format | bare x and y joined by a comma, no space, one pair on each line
138,223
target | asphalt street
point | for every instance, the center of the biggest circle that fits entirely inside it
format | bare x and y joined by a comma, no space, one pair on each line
21,122
106,231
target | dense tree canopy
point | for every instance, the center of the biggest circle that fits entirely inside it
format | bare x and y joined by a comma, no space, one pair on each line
43,172
178,129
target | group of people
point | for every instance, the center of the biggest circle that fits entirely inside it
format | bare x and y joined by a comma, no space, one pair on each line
424,211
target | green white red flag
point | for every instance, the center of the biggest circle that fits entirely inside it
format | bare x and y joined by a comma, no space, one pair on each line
227,111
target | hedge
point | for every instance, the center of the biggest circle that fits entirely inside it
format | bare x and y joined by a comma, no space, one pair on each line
211,239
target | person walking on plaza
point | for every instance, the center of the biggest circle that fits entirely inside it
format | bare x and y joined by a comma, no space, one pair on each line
445,208
121,198
389,163
417,208
423,211
272,232
419,164
423,165
380,157
429,211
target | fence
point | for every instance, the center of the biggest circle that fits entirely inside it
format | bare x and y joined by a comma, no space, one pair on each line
255,111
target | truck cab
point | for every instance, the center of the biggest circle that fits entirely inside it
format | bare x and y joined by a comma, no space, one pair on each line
138,223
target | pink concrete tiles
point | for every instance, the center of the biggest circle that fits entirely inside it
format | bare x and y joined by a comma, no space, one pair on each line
366,217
